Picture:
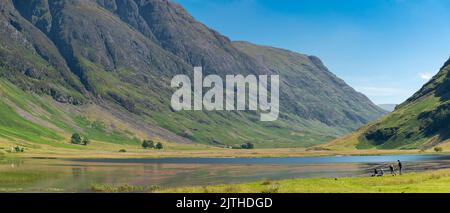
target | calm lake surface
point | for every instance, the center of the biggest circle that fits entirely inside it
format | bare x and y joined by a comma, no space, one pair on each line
78,175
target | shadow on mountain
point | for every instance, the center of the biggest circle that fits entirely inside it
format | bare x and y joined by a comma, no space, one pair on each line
437,121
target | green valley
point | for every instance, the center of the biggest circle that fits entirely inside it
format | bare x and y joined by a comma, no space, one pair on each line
103,69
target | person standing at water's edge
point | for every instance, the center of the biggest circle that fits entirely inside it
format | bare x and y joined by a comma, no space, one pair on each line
391,167
400,167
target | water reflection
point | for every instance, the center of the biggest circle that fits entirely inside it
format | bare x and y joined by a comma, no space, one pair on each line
80,175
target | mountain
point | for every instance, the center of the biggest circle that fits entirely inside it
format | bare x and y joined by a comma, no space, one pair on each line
387,107
103,68
315,92
422,121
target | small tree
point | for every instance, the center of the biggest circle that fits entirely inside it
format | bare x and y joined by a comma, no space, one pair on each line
76,138
250,146
86,141
148,144
19,149
438,149
247,146
159,146
145,144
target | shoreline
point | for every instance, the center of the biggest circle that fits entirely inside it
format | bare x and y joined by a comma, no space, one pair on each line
207,153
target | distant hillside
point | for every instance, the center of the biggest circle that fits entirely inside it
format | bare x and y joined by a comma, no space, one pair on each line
315,93
423,121
387,107
103,68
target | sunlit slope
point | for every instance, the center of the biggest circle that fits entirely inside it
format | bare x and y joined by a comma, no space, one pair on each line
103,68
27,119
423,121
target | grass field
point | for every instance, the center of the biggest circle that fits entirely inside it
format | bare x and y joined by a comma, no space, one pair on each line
431,181
16,181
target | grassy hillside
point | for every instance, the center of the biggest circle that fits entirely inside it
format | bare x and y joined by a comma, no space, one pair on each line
103,68
31,120
423,121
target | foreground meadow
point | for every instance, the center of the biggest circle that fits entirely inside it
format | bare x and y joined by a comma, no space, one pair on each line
422,182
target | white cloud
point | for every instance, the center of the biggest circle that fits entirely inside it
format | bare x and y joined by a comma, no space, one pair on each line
426,76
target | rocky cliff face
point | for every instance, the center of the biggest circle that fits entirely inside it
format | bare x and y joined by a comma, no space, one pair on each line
120,55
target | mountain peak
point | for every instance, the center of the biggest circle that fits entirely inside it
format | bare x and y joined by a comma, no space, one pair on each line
120,55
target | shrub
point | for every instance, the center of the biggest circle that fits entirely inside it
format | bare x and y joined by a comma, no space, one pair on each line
159,146
271,189
250,146
247,146
148,144
123,150
438,149
76,138
267,182
19,149
85,141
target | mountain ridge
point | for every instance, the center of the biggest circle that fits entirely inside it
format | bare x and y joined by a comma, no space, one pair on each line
119,56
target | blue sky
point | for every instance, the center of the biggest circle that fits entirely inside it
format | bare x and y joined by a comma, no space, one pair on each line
386,49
